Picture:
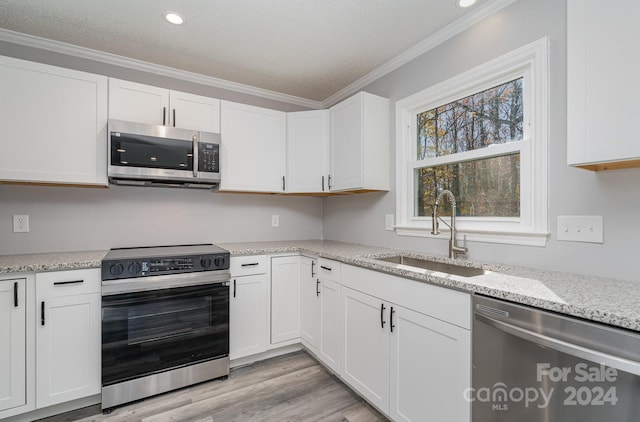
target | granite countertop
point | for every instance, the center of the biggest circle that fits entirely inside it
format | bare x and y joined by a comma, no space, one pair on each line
609,301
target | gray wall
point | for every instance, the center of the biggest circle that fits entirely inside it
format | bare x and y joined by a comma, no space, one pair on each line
614,195
67,219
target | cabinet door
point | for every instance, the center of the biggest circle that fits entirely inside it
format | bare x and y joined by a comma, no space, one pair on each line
248,315
189,111
430,368
346,144
330,324
307,148
54,124
253,148
365,357
68,348
285,298
602,82
138,103
12,347
309,302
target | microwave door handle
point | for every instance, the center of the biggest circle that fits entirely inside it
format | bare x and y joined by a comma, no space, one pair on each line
195,155
562,346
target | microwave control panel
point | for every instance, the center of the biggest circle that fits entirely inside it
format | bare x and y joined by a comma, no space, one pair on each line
208,157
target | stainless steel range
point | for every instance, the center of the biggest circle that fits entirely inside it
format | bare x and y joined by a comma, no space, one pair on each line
165,320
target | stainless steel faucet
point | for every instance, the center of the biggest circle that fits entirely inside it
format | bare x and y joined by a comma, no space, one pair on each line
454,249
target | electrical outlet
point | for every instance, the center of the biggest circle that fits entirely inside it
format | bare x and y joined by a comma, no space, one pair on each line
388,221
21,224
581,228
275,220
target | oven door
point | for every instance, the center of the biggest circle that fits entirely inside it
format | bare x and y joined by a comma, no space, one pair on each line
151,331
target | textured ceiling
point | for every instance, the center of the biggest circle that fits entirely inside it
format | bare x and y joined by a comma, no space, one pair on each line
305,48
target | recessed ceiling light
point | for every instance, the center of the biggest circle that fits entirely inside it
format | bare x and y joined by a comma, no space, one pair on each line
465,3
174,18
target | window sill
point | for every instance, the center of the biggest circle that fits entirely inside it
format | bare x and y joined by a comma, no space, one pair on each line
508,237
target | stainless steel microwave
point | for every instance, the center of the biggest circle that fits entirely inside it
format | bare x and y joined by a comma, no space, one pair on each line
148,155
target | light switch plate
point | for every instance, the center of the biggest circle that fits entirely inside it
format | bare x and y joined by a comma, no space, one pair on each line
581,228
275,220
388,221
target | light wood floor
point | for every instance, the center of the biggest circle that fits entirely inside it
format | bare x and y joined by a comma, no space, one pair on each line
291,388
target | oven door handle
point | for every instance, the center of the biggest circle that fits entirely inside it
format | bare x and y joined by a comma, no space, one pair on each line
616,362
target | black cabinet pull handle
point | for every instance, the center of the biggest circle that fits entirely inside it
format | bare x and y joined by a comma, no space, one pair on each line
42,313
62,283
283,184
322,183
329,182
313,273
317,287
164,116
174,117
253,264
382,321
15,294
391,319
234,288
325,268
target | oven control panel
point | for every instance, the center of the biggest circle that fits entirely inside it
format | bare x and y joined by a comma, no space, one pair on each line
130,267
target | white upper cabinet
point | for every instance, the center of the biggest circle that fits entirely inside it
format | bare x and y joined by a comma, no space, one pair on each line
603,84
54,124
307,150
140,103
253,148
359,144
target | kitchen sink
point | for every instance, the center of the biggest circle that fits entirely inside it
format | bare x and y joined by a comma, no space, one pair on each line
427,264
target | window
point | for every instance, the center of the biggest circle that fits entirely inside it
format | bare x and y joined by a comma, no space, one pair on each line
483,136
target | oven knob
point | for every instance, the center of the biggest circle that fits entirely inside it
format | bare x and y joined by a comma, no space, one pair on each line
205,262
135,268
116,269
219,261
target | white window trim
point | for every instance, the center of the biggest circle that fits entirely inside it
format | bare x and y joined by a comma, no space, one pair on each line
531,228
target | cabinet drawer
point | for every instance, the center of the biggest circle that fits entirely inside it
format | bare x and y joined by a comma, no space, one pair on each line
247,265
66,283
329,270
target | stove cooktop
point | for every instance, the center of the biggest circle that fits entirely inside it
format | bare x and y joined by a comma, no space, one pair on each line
162,260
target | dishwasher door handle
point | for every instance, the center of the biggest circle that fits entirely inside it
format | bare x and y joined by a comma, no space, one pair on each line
616,362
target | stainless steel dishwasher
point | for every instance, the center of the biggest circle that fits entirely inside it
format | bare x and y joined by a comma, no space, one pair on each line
531,365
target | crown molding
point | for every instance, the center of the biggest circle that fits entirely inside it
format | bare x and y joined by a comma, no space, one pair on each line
449,31
116,60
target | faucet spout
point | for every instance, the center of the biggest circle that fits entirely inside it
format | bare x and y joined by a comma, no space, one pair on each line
454,248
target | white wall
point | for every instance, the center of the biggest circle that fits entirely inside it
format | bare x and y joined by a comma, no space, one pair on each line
614,195
68,219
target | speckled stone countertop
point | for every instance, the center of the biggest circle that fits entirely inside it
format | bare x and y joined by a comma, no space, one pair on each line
598,299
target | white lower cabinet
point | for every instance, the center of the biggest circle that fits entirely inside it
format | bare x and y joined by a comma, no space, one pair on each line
248,320
410,365
365,348
285,298
309,303
330,315
13,345
430,368
68,336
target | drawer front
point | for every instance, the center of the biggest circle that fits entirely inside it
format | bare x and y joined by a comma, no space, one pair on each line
329,270
68,283
248,265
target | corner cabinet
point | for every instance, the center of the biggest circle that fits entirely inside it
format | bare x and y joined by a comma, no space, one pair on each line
13,345
253,148
285,299
68,336
158,106
359,144
309,303
54,124
602,82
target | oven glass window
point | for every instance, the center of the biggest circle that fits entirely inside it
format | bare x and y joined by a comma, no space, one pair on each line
130,150
148,332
